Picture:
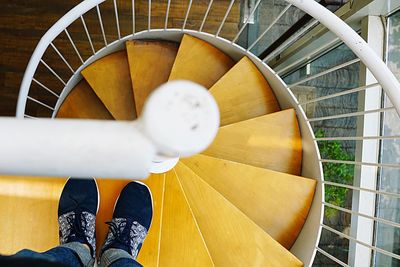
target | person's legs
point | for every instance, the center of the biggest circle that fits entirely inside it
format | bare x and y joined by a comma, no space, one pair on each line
77,209
132,217
58,255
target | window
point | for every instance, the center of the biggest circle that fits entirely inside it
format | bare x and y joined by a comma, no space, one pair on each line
387,237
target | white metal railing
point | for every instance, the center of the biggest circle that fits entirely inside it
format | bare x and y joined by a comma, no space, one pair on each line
385,79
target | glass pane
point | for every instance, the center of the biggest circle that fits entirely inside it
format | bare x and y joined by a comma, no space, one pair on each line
388,237
344,150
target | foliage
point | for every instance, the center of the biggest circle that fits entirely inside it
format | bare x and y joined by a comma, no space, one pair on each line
333,172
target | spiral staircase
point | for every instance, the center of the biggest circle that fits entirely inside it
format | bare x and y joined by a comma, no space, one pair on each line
254,197
247,179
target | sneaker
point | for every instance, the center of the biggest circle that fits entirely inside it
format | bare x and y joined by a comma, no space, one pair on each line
77,209
132,216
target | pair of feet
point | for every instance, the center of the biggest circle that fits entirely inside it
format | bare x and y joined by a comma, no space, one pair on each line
78,206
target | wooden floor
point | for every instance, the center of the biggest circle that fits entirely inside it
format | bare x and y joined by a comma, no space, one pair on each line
22,23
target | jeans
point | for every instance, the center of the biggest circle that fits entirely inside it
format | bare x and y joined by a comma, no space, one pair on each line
75,254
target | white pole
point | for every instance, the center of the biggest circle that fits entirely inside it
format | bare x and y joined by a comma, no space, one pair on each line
79,148
179,119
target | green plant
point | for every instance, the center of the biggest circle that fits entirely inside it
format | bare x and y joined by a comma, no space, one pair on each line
334,172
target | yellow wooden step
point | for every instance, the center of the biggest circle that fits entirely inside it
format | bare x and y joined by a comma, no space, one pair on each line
83,103
243,93
231,237
277,202
271,141
28,208
109,190
200,62
149,254
181,241
150,64
110,79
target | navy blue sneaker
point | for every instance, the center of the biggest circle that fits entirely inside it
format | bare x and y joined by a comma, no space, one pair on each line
77,209
132,216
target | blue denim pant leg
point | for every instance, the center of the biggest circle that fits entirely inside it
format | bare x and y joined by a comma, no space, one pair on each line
71,254
117,258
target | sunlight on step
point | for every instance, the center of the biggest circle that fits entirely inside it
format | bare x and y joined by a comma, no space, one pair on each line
28,208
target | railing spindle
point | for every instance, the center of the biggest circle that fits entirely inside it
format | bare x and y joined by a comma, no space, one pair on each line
45,87
387,253
133,17
74,46
187,14
40,103
270,26
117,18
352,114
335,68
62,57
346,92
206,15
246,22
149,17
88,35
52,71
101,25
167,15
225,17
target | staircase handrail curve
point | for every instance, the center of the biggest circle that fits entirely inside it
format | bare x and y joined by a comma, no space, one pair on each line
43,44
341,29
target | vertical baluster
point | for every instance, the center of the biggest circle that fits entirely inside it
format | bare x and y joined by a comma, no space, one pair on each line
167,14
101,25
225,17
206,15
87,34
133,17
187,14
270,26
247,21
45,88
149,17
117,18
39,102
62,57
73,45
52,71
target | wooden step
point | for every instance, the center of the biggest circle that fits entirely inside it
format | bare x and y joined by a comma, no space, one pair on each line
150,64
271,141
109,190
181,241
83,103
28,208
231,237
277,202
243,93
110,79
200,62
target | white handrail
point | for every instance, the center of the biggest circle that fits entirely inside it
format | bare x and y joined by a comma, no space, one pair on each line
115,149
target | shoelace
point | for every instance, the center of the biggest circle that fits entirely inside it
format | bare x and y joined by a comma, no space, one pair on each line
117,231
77,225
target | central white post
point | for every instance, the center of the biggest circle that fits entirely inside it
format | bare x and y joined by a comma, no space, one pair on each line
180,119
